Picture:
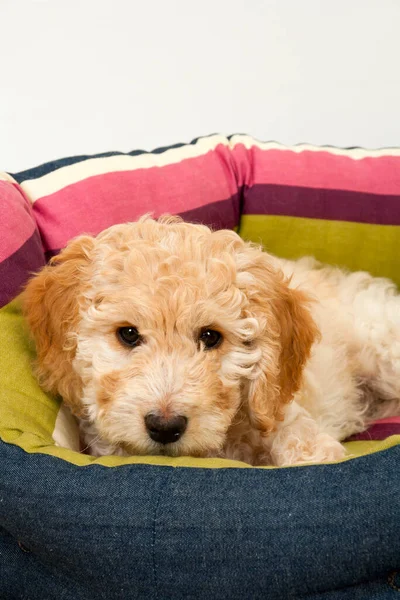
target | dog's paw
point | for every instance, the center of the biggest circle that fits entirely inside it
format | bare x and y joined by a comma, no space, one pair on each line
291,449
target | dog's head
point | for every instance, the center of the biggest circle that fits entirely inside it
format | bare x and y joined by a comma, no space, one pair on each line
158,332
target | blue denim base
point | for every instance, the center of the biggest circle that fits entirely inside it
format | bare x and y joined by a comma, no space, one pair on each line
324,532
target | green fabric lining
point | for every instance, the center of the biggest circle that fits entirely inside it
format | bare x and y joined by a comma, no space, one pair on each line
357,246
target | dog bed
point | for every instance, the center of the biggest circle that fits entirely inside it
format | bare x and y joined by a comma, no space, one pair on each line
75,526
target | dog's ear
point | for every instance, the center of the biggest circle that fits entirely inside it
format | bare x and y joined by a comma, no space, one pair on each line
51,307
287,334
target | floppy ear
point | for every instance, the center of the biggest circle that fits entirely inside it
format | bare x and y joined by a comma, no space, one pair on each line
51,308
288,332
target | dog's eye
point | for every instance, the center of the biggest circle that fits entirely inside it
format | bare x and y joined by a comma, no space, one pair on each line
210,338
129,336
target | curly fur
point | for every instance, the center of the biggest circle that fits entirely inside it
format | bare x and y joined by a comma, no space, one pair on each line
304,348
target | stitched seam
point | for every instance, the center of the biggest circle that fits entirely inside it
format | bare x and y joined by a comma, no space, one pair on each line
154,532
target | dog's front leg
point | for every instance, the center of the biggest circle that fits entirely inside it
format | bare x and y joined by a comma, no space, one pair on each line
299,439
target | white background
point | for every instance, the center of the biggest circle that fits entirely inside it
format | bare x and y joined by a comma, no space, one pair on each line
85,76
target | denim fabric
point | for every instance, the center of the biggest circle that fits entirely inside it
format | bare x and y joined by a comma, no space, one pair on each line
138,531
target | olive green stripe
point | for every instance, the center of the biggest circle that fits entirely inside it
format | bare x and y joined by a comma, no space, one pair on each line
32,443
357,246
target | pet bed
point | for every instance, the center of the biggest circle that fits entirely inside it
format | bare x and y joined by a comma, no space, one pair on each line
75,526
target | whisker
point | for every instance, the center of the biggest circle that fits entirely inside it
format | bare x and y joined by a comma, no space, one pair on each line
91,443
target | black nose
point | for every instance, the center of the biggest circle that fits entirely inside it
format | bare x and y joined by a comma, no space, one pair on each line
165,431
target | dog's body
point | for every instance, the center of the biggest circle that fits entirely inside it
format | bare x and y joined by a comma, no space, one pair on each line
167,338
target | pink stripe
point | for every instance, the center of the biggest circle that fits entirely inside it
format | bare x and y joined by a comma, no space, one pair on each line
98,202
317,170
388,420
16,219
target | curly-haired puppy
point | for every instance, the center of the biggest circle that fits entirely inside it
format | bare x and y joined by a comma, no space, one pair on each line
169,338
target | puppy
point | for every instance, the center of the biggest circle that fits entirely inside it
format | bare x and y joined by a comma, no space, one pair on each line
165,337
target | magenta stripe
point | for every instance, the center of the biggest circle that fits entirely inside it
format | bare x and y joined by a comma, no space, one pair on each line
379,431
98,202
320,169
16,269
15,217
218,215
338,205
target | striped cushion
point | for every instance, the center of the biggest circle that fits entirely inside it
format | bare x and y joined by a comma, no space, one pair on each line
342,206
20,247
89,194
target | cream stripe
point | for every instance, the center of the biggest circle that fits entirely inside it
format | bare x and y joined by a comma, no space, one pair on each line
68,175
56,180
6,177
356,153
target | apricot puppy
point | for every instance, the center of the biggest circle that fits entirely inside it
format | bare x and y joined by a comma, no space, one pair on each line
165,337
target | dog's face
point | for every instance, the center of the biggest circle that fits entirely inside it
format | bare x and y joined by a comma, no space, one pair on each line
158,332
